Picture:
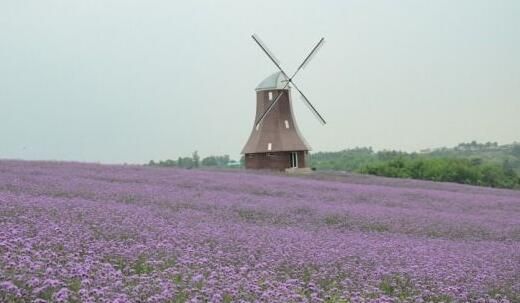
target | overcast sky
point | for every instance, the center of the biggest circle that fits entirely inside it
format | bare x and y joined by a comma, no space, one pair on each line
128,81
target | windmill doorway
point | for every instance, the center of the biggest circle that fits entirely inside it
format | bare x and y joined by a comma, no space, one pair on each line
294,160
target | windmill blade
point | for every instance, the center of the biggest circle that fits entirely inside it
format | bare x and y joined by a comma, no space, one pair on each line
310,56
265,49
312,53
271,106
310,106
268,53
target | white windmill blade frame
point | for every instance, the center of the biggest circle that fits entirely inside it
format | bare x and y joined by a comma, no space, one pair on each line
267,51
310,106
276,62
309,57
312,54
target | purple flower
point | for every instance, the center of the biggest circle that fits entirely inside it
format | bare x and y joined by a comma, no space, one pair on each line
95,233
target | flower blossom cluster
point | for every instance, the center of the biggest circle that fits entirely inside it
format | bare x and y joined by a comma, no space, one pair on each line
73,232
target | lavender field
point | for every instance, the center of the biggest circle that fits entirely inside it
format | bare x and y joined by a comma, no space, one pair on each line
94,233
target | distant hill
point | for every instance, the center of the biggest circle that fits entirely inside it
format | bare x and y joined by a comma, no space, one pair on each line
487,164
507,154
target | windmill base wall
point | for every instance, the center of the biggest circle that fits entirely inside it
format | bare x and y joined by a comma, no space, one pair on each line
275,160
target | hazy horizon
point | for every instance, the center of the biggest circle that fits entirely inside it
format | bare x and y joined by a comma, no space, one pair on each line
130,81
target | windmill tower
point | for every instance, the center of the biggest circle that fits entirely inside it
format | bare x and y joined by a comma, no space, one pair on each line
275,141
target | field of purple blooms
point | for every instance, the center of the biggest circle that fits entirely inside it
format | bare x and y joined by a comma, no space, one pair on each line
74,232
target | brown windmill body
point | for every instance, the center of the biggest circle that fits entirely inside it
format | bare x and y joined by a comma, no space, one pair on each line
275,141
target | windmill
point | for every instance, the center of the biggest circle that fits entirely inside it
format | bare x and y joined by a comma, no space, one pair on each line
275,141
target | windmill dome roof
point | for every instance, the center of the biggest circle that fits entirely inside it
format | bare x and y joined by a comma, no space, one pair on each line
274,81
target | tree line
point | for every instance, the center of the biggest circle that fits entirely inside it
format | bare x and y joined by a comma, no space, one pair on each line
465,171
195,161
485,164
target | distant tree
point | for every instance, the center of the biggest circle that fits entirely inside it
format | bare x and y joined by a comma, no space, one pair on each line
220,161
185,162
490,144
508,168
224,160
515,150
446,169
389,155
195,159
346,160
476,161
167,163
209,161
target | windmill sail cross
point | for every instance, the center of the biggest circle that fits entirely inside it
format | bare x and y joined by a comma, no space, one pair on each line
275,141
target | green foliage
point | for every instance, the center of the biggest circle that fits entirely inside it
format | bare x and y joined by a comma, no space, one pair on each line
334,219
166,163
505,291
398,286
75,285
438,298
141,266
180,297
486,164
227,298
216,161
194,162
177,279
515,151
446,170
186,162
195,159
348,160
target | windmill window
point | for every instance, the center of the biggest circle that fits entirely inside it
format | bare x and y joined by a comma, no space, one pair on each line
257,126
269,146
286,124
270,96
